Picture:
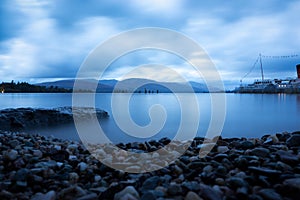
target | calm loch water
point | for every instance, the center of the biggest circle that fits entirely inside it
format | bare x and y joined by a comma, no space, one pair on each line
247,115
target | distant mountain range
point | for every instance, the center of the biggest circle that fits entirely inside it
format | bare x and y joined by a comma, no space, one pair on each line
131,85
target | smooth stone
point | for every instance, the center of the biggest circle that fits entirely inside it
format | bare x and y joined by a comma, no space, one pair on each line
82,166
192,196
293,141
191,186
260,152
37,153
149,196
51,195
269,194
264,171
208,169
71,192
50,164
220,181
13,143
6,195
21,184
97,178
220,157
235,182
150,183
11,154
209,193
174,189
246,145
272,139
222,149
293,183
73,158
287,157
283,167
73,177
128,190
91,196
22,174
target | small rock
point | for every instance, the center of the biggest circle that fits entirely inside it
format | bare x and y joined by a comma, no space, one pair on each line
209,193
73,177
265,171
37,153
220,181
97,178
13,143
174,189
272,139
208,169
260,152
293,141
192,196
235,182
222,149
150,183
269,194
149,196
82,166
128,190
293,185
51,195
287,157
246,145
71,192
11,154
91,196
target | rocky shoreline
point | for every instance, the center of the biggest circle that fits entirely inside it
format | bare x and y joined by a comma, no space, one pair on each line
38,167
23,119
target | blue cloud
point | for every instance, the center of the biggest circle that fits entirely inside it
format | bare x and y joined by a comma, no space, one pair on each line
50,39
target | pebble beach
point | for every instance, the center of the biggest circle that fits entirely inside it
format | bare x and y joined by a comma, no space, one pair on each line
38,167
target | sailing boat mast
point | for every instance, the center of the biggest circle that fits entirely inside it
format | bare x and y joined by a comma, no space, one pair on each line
261,69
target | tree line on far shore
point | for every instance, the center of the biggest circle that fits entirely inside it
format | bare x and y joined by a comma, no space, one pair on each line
24,87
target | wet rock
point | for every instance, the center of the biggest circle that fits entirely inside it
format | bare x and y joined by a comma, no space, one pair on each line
246,145
235,182
150,183
287,157
71,193
292,188
174,189
51,195
91,196
208,193
293,141
130,191
192,196
37,153
11,154
82,166
272,139
265,171
260,152
149,196
269,194
13,143
222,149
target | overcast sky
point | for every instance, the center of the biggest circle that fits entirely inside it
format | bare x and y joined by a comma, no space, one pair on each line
48,40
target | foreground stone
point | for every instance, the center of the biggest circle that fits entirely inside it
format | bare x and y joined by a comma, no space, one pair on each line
27,118
38,167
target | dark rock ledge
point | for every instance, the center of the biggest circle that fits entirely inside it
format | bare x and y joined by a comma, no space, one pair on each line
43,168
26,118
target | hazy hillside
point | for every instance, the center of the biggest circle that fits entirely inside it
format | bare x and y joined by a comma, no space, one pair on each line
130,85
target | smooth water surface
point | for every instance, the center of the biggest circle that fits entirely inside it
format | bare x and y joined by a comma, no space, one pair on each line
248,115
